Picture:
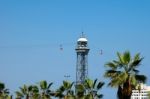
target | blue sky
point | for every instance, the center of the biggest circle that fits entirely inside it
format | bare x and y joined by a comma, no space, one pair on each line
31,32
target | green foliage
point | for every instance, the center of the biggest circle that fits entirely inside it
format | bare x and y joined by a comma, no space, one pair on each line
123,73
90,89
4,93
43,85
41,91
65,90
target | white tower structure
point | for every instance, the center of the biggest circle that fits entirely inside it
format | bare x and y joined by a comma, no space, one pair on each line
82,60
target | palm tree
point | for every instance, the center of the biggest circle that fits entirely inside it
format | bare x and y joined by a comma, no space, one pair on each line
19,95
89,89
28,92
123,74
65,91
4,93
34,92
80,91
24,92
93,88
46,91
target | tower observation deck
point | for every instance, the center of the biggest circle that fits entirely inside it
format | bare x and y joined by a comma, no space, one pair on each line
82,60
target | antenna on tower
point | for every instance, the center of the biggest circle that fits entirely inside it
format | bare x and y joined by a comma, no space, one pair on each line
82,34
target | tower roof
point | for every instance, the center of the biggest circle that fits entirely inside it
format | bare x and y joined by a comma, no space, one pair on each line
82,39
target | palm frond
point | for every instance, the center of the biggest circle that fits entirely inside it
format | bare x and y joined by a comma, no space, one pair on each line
80,88
19,94
2,86
111,65
71,85
141,78
88,83
100,96
117,63
112,73
95,81
24,89
115,82
50,84
136,63
136,71
43,84
100,85
66,84
61,89
126,57
118,80
120,57
35,89
137,56
133,80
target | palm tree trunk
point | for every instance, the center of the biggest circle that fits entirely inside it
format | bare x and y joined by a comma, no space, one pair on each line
119,93
127,90
27,97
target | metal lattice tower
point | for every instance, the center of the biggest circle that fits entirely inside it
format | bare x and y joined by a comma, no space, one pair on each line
82,60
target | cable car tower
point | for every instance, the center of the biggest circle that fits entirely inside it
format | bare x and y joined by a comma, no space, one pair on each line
82,60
